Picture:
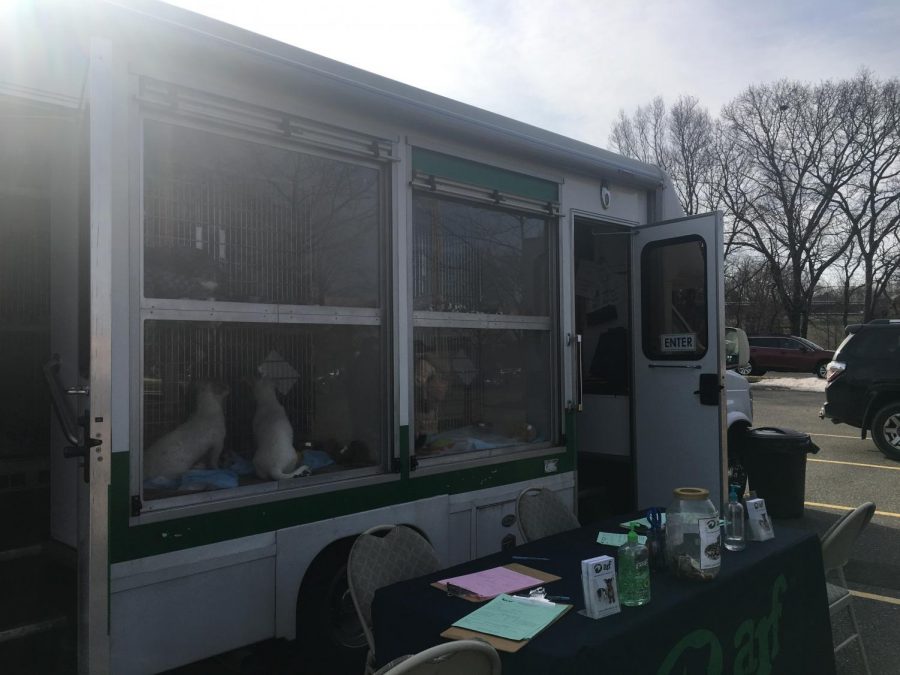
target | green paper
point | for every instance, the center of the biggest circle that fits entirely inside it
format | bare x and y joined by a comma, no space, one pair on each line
512,617
617,539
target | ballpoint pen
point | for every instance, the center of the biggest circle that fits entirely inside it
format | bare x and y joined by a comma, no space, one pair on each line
528,557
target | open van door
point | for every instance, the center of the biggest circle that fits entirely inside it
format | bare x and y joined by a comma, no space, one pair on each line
678,373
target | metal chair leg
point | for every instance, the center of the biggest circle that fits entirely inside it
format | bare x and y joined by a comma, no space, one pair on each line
857,634
862,648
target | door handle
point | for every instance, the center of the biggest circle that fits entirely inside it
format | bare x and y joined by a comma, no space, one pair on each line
709,390
578,349
675,365
578,405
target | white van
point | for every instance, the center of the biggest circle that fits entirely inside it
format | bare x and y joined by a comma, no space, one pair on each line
441,306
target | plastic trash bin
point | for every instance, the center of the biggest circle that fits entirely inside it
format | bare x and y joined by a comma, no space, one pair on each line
775,461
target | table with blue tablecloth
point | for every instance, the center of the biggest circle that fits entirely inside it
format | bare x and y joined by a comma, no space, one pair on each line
766,612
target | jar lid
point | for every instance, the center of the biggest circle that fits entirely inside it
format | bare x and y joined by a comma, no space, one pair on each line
691,493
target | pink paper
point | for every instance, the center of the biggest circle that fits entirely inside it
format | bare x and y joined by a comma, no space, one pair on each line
493,582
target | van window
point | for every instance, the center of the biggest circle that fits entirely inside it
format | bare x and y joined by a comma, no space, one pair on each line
261,315
482,329
674,299
875,344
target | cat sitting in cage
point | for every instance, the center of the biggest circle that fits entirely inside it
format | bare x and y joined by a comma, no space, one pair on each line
275,457
199,439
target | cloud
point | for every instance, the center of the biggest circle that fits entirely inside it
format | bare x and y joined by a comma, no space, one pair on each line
570,65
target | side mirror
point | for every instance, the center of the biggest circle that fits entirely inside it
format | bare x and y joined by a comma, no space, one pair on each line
737,348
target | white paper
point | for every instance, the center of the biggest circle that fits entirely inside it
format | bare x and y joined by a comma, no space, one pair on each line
758,518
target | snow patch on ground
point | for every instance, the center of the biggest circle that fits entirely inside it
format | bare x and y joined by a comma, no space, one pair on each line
788,381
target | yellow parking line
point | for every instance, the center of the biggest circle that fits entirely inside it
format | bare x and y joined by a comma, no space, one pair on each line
838,507
873,466
873,596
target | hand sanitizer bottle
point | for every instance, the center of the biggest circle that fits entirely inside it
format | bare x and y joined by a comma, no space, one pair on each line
634,572
734,523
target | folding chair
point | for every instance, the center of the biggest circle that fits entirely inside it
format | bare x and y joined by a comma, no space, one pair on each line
381,556
837,544
541,513
468,657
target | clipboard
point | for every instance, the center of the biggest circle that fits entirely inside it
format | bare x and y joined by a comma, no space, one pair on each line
541,577
498,643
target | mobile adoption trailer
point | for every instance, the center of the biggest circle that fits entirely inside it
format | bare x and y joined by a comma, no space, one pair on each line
449,305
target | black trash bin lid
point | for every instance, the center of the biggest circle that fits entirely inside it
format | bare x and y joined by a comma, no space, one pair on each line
774,439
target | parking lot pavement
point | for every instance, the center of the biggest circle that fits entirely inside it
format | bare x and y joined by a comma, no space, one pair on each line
844,473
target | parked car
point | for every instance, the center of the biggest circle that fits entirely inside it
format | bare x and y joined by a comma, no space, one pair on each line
786,353
863,388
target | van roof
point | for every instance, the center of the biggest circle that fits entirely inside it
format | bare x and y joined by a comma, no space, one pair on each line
174,19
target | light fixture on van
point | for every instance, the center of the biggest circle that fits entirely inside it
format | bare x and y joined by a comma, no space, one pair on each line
604,195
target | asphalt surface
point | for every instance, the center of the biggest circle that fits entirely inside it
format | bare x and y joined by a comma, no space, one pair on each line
846,472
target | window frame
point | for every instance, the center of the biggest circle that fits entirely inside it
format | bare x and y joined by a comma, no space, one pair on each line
653,353
371,152
476,196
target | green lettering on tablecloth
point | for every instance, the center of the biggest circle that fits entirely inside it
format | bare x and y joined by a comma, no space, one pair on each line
696,639
756,643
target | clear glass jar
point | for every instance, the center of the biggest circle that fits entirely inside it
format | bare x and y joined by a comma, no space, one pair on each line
693,542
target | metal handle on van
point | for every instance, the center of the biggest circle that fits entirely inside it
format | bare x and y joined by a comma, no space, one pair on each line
579,403
674,365
64,415
77,430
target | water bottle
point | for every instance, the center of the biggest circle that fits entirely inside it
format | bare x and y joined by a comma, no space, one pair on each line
734,523
633,565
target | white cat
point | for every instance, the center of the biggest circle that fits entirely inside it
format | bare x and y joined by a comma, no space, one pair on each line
200,437
275,457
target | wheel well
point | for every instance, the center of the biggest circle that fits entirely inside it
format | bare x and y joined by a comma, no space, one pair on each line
880,400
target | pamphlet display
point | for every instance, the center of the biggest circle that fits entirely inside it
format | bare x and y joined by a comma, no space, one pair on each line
598,582
758,519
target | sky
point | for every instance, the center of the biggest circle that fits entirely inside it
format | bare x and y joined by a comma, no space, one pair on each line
570,65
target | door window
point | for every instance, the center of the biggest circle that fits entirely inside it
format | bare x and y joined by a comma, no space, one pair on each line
674,299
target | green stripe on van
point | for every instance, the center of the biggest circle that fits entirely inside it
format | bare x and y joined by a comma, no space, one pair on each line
129,543
484,175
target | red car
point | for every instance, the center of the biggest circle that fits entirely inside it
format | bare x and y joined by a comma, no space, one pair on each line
787,353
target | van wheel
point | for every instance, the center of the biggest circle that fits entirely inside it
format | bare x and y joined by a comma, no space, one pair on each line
886,430
745,370
821,370
329,635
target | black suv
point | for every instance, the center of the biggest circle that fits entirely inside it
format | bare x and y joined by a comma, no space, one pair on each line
863,387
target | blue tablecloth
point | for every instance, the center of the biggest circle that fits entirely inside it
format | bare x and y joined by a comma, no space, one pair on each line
767,606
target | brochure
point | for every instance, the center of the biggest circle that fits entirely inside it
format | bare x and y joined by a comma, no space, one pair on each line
598,582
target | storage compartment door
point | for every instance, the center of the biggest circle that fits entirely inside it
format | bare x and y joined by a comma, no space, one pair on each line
678,358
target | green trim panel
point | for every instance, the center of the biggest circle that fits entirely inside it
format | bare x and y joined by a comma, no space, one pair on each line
484,175
129,543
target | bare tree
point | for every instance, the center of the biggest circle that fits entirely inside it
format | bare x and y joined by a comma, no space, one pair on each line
871,200
643,135
792,155
680,141
749,301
